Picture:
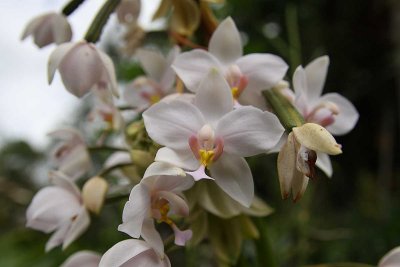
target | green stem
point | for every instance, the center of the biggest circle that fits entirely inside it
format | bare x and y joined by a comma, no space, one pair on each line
116,198
293,35
284,110
110,169
71,7
95,29
106,148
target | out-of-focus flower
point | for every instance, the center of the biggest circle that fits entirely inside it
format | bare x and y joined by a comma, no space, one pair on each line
58,208
210,134
93,194
185,17
391,259
83,259
157,197
82,67
147,90
128,11
133,253
297,157
247,75
71,155
48,28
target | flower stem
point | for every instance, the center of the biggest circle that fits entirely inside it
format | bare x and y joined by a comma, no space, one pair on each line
95,29
71,7
104,172
284,110
107,148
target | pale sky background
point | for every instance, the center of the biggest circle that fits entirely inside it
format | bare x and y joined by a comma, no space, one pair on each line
29,107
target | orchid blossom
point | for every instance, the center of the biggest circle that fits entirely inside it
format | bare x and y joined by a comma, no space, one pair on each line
71,155
82,258
391,259
247,75
133,253
332,111
147,90
48,28
209,134
82,67
58,208
157,197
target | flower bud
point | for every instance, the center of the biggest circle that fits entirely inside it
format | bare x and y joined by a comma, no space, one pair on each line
93,194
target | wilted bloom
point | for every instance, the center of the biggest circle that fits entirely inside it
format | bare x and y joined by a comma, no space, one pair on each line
391,259
296,160
48,28
71,155
58,208
209,134
147,90
82,258
128,11
247,75
133,253
82,67
157,197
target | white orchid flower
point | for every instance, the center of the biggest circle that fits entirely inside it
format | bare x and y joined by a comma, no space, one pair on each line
297,157
332,111
48,28
209,134
247,75
157,197
71,155
391,259
59,209
158,82
82,67
82,258
133,253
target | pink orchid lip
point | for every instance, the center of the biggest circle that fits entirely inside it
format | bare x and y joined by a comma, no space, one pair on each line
196,149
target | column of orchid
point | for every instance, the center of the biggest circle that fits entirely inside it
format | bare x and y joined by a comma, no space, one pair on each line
198,115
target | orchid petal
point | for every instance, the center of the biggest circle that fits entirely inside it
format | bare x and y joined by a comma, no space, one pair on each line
60,179
151,236
225,43
347,117
169,182
153,63
83,258
76,163
178,205
33,25
109,72
300,82
57,237
192,66
135,211
214,98
171,124
299,185
391,259
181,237
78,226
316,72
162,168
253,98
181,158
287,166
262,70
56,57
126,252
324,163
61,29
81,69
233,175
248,131
199,174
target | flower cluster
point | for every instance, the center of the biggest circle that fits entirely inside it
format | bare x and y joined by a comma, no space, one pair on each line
185,152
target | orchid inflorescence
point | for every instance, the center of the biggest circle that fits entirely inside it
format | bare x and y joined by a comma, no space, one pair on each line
199,113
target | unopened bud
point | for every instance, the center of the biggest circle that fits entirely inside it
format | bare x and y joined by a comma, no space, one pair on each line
317,138
93,193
